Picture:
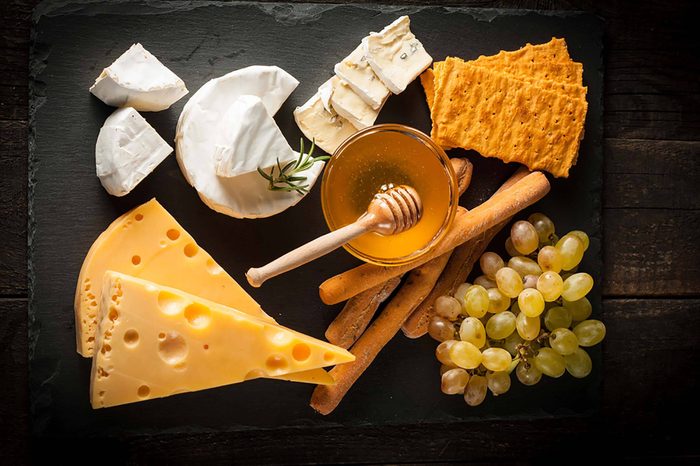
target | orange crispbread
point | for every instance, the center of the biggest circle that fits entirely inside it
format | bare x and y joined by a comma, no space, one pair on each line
500,116
554,51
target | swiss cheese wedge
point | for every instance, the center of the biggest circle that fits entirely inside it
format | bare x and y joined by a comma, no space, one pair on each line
154,341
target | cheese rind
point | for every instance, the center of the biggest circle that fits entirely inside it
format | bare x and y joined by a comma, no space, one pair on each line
127,150
138,79
327,130
155,341
350,106
357,72
395,55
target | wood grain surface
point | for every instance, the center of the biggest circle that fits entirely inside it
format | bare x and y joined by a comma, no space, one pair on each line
651,281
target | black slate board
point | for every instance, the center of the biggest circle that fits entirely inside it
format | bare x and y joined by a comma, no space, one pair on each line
200,41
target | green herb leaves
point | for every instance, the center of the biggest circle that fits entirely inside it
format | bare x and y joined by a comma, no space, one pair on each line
287,178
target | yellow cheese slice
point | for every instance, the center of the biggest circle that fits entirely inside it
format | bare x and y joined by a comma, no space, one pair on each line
155,341
148,242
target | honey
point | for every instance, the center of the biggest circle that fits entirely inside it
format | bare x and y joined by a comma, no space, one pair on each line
382,155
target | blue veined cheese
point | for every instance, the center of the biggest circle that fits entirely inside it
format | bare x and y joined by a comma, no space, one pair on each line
350,106
356,71
127,150
328,131
395,55
138,79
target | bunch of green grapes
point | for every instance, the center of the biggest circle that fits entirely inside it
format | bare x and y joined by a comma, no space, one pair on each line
529,315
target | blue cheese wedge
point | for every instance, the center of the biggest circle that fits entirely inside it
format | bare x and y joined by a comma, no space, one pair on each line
356,71
252,140
350,106
127,150
138,79
328,131
395,55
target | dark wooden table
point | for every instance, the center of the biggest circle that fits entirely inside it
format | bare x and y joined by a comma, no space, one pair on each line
651,277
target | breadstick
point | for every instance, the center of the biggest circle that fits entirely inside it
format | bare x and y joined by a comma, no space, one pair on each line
456,271
418,284
347,327
465,226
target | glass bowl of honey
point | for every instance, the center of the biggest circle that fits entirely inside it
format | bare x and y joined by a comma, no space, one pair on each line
379,156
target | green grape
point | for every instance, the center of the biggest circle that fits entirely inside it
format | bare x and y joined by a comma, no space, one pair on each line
550,363
486,282
524,237
549,259
510,249
490,263
461,291
524,266
528,327
557,317
530,281
578,363
583,237
589,332
454,381
543,225
577,286
531,302
473,331
465,355
580,310
550,285
571,250
442,352
563,341
441,329
447,307
475,393
498,302
527,373
444,368
500,325
498,382
476,301
509,282
496,359
511,343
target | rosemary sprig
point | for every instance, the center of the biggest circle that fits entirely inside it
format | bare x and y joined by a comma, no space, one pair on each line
287,178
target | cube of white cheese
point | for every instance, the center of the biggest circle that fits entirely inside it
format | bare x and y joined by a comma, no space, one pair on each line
138,79
327,130
395,55
127,150
253,140
356,71
350,106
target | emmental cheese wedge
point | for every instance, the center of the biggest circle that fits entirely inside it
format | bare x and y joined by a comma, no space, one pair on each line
154,341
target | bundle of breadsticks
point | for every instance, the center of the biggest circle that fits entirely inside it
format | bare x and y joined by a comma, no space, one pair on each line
436,273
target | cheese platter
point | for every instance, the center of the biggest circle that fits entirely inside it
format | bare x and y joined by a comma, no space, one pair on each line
144,265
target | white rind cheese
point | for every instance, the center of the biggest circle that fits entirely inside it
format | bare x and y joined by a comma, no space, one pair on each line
328,131
350,106
127,150
138,79
356,71
395,55
202,129
254,140
325,91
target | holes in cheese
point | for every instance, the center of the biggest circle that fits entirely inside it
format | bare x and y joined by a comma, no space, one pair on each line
201,345
143,391
173,234
191,250
136,260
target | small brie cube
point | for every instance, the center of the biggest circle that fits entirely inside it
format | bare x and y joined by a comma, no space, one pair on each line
327,130
350,106
127,150
395,55
253,140
138,79
356,71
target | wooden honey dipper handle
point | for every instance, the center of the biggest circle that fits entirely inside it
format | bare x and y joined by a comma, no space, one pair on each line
391,211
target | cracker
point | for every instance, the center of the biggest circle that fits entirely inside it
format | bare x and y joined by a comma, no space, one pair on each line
427,81
500,116
554,51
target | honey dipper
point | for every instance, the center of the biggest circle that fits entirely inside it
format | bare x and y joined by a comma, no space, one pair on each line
392,210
